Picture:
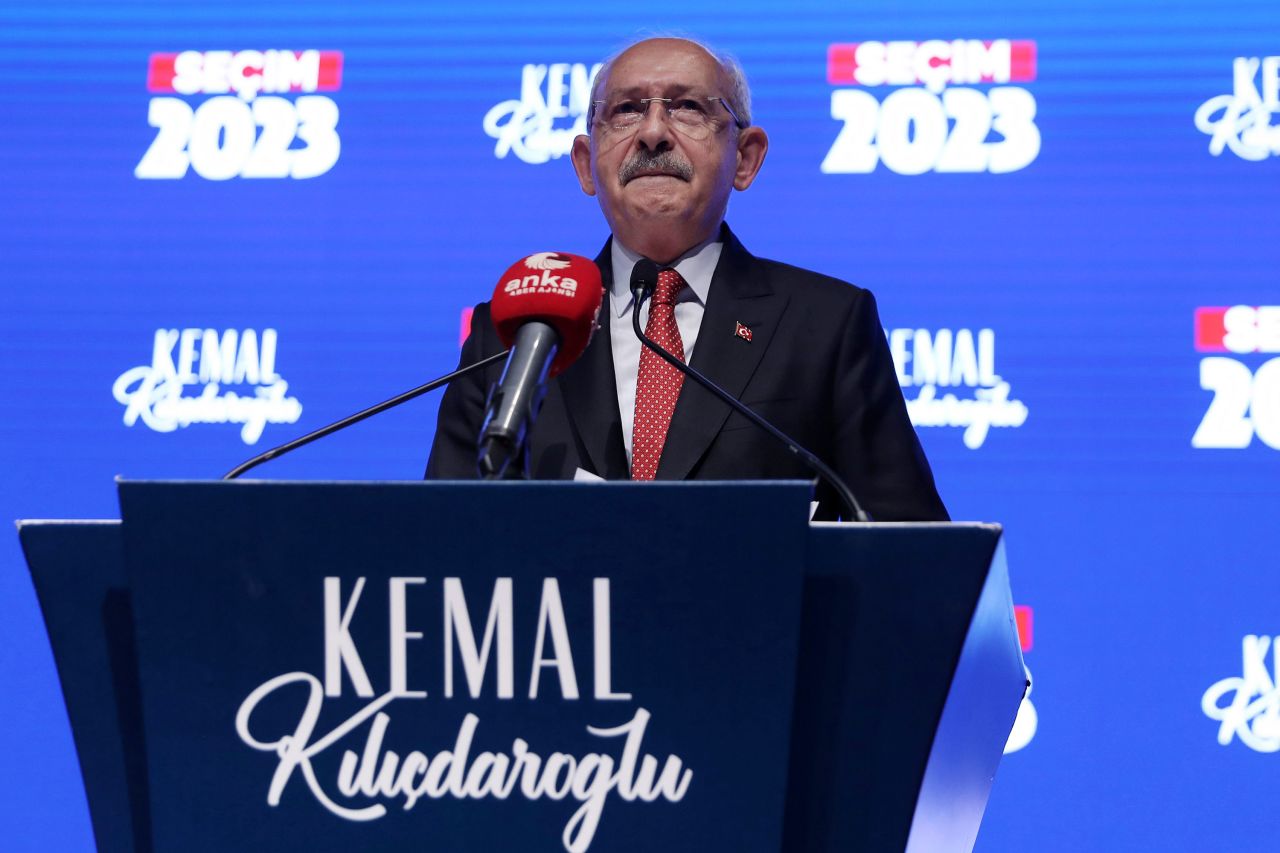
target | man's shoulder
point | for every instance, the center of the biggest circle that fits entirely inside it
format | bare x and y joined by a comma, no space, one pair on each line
808,284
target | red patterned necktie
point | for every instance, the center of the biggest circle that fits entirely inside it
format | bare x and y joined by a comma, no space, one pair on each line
657,383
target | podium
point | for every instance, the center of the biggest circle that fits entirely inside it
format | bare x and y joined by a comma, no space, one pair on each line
526,666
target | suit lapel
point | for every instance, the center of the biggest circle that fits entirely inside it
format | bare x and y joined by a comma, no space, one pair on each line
740,293
591,393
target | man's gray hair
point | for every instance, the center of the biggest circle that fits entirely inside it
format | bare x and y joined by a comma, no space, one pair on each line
739,94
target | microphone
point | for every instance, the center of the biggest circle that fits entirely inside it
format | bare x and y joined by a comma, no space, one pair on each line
544,309
644,278
268,455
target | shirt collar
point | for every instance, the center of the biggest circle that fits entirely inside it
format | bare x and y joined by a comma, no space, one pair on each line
695,266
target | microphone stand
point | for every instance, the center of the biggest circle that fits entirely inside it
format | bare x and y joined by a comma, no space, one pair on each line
642,291
268,455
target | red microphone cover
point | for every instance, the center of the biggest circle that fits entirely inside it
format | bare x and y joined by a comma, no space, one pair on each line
562,290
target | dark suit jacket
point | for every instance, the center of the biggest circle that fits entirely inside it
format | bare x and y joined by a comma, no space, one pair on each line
817,366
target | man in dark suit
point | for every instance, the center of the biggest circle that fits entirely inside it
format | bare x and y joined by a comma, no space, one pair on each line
671,137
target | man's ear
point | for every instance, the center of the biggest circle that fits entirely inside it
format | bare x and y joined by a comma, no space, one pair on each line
581,154
753,144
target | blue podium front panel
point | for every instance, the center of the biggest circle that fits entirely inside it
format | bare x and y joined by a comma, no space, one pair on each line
78,572
475,667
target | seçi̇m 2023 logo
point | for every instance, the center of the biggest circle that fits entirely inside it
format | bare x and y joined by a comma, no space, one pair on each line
934,119
247,128
1245,383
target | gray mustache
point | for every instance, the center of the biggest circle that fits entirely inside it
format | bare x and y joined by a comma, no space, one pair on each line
660,161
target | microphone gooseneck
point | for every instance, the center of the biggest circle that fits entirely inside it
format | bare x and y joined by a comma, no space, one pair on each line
644,277
268,455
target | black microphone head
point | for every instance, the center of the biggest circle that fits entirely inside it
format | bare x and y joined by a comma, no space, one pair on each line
644,278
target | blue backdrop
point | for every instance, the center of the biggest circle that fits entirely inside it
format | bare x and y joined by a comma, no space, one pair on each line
224,224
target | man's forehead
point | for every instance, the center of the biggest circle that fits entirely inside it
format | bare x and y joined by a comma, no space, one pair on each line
659,88
663,66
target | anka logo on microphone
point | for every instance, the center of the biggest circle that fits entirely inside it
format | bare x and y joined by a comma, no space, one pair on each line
545,261
1247,706
551,111
246,129
1245,382
1242,120
370,773
962,363
934,120
544,281
207,360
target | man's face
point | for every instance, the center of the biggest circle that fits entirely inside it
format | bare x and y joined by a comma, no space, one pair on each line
661,189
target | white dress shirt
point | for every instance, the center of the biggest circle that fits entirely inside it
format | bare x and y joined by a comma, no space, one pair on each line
696,267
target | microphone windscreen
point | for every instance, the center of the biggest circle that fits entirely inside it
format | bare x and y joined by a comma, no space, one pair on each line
562,290
644,276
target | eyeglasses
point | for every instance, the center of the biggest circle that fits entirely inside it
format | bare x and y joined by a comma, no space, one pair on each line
691,116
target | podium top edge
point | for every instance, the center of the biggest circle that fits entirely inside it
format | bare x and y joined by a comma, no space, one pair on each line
993,526
32,522
488,484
